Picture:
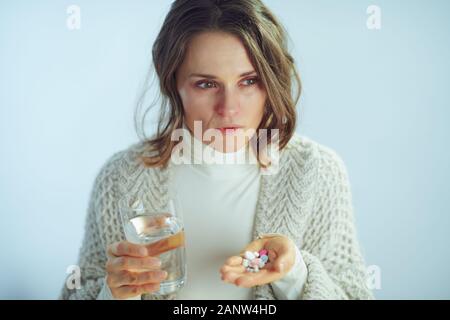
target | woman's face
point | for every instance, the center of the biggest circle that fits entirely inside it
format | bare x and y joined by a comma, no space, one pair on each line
220,88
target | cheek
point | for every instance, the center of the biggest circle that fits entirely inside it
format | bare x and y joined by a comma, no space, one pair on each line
195,105
254,104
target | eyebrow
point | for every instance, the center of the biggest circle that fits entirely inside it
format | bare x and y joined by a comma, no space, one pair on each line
209,76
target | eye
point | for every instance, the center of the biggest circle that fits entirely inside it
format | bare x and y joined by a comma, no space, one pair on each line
206,84
251,81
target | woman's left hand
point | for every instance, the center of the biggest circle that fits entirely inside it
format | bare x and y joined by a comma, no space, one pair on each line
281,253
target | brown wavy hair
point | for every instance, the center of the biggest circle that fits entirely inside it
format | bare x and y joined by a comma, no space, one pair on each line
265,41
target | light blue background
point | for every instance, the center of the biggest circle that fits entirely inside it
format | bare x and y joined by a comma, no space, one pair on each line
379,98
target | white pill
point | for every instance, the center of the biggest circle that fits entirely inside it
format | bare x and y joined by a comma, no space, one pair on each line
256,254
261,264
245,263
249,255
256,269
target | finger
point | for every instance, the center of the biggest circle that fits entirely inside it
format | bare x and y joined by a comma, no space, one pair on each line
282,258
126,278
227,268
249,280
234,261
125,248
166,244
230,277
125,292
131,263
282,262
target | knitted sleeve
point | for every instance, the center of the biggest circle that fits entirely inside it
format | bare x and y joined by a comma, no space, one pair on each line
336,269
92,255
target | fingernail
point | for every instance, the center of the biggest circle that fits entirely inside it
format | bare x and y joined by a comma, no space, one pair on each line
163,274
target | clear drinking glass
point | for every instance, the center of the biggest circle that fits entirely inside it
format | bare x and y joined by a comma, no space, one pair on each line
145,225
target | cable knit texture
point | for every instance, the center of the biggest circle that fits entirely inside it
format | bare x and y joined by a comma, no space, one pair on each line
308,199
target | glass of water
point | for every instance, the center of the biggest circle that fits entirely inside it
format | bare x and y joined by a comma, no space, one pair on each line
162,227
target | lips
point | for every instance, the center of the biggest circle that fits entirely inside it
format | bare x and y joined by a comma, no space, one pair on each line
229,129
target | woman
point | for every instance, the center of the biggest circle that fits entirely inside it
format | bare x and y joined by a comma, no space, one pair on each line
223,66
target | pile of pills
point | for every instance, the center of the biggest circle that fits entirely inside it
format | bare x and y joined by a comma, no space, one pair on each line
253,261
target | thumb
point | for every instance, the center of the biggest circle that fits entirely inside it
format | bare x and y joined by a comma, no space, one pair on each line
282,263
166,244
255,245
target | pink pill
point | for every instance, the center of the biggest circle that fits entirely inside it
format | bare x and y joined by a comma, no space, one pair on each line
262,252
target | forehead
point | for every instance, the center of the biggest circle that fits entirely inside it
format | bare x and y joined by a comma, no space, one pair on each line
219,53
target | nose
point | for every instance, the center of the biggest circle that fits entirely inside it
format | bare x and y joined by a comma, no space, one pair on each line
228,104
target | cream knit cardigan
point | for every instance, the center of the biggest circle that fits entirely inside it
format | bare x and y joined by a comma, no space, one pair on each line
308,199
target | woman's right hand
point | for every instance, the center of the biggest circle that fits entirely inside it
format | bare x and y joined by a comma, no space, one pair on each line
134,269
131,271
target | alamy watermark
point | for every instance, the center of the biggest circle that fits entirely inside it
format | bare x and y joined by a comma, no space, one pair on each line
73,21
373,277
73,281
206,147
374,18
